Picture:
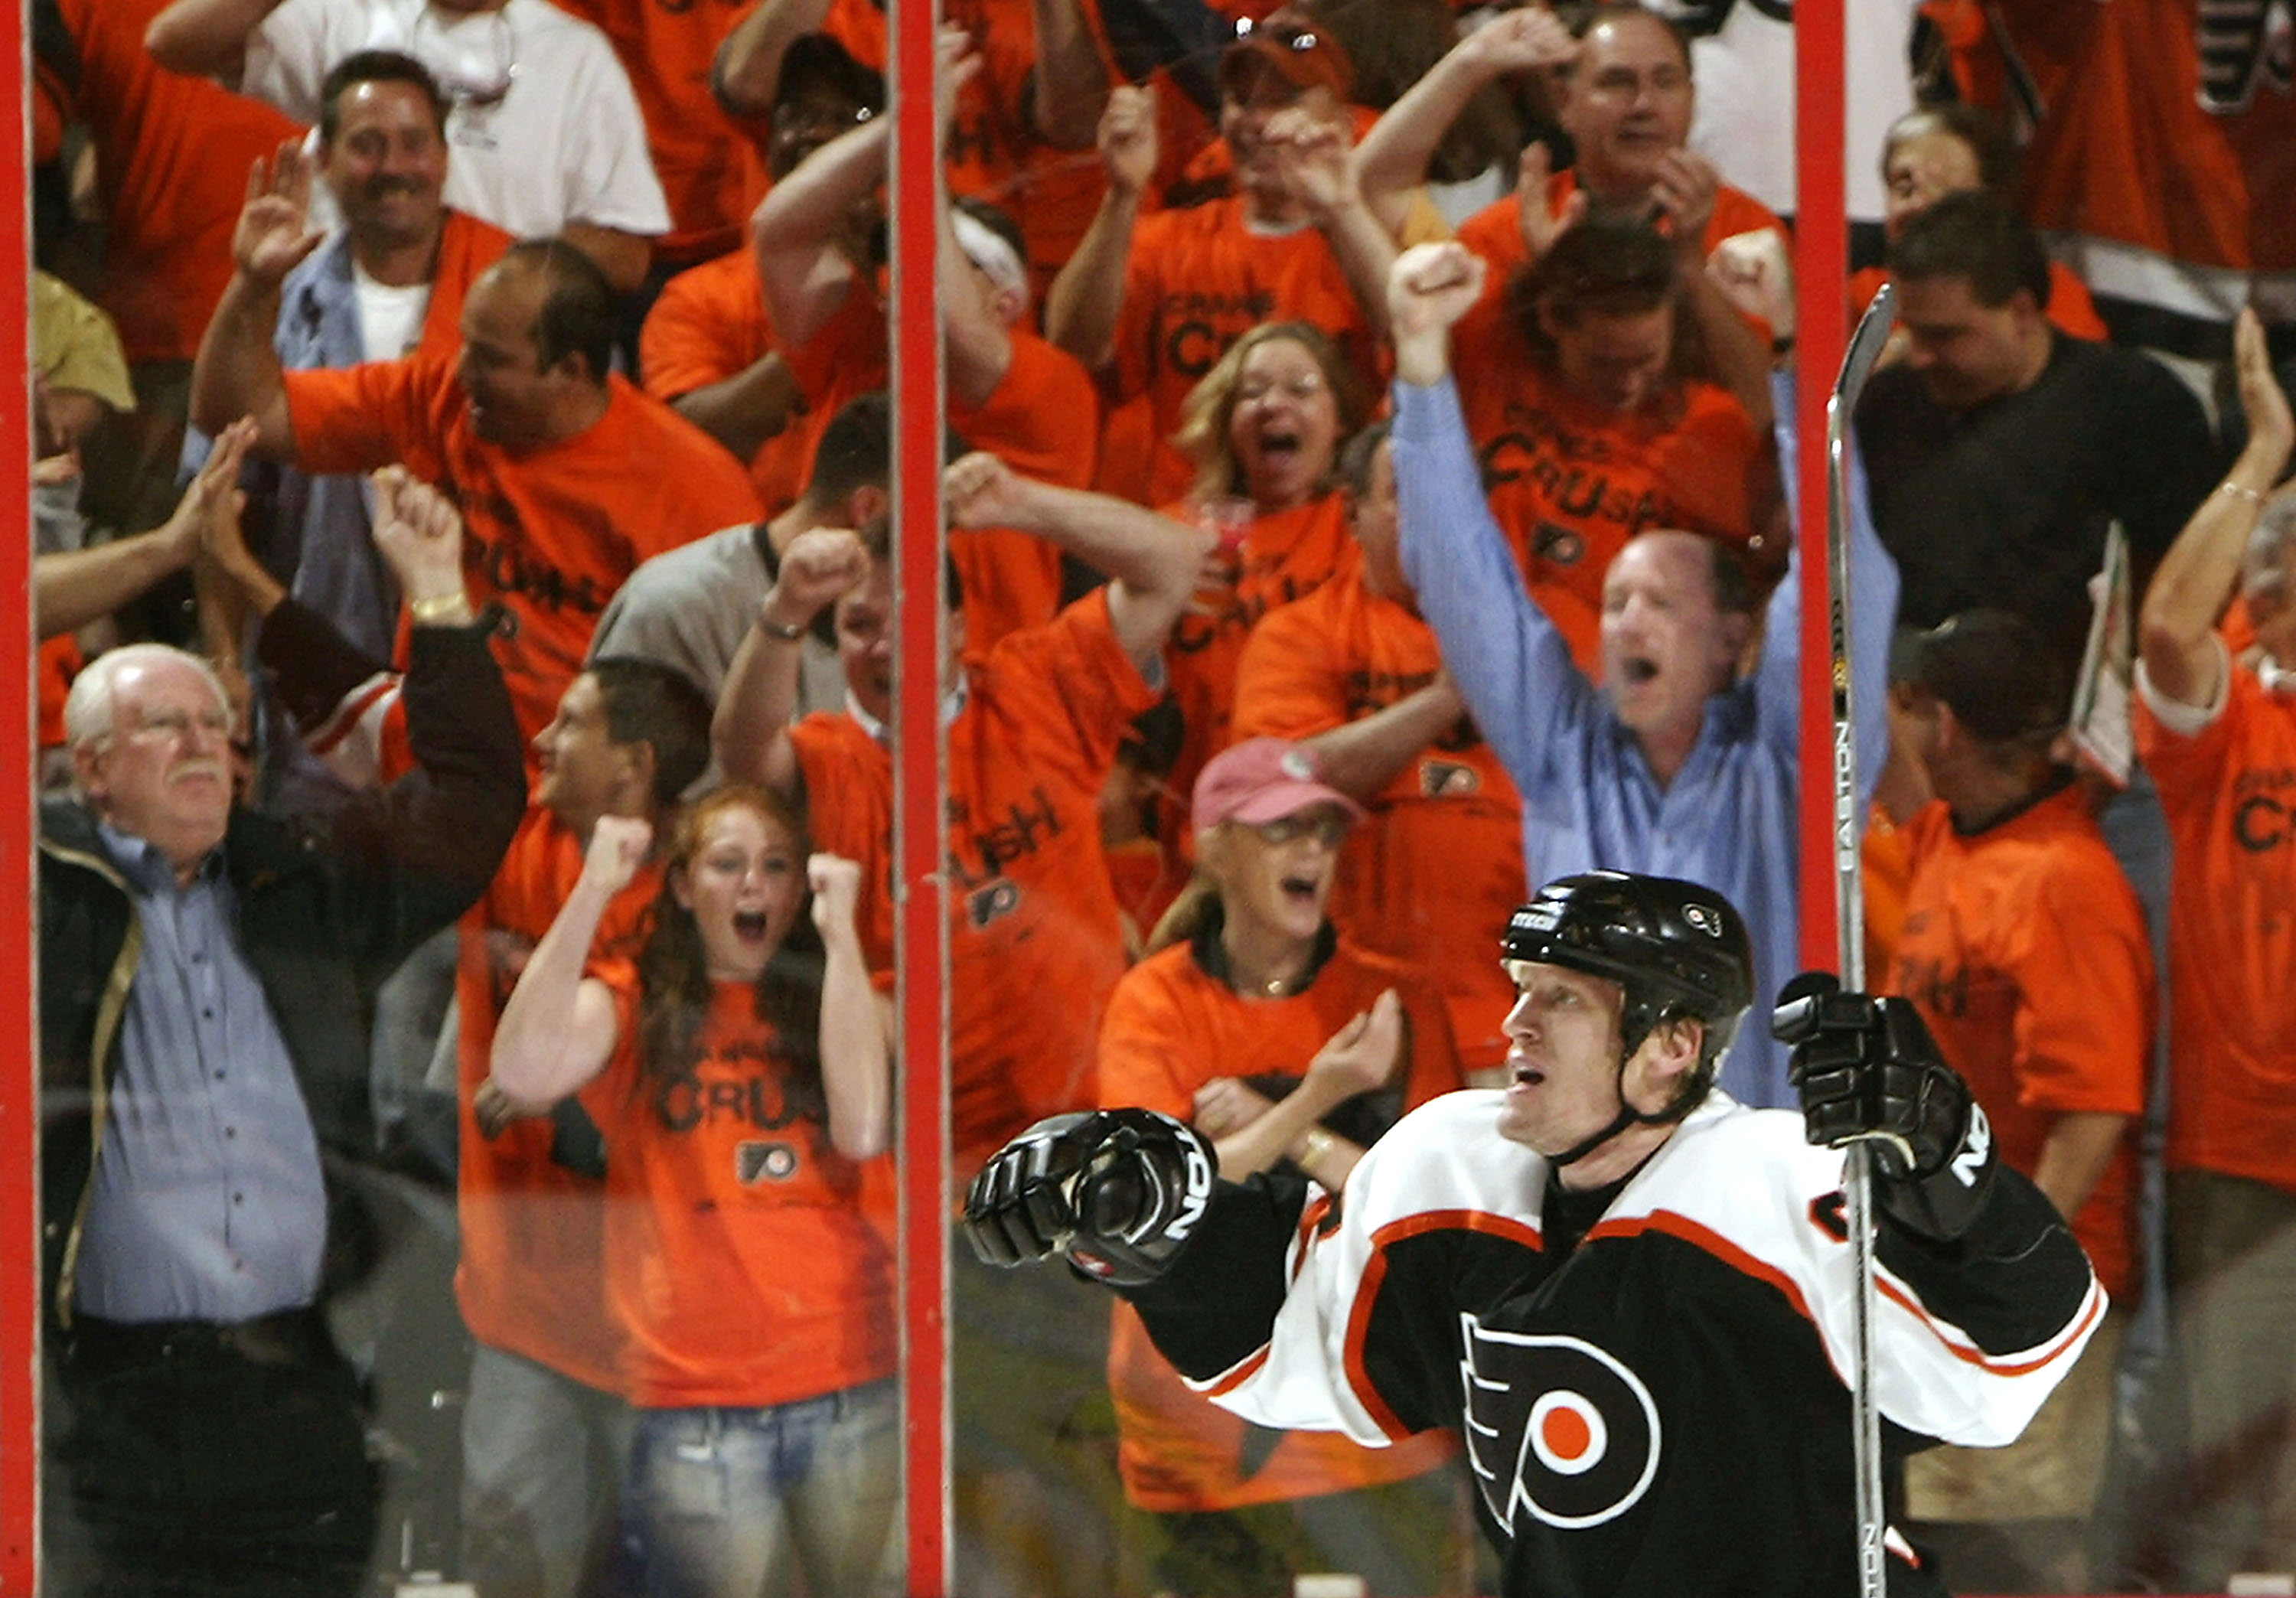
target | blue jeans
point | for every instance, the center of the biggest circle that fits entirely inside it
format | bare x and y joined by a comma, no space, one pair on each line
729,1503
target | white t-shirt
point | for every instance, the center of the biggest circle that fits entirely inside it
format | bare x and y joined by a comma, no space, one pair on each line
564,143
391,319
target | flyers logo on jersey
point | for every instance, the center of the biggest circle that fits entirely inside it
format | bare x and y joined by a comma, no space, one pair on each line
1555,1426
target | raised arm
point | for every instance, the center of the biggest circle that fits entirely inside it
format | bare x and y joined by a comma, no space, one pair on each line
1313,154
237,373
856,1076
799,226
561,1027
979,345
73,588
750,730
1686,188
1392,160
1512,667
205,38
1087,297
1068,88
746,74
2198,574
1152,561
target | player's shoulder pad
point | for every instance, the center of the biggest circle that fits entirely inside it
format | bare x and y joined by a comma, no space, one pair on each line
1447,1157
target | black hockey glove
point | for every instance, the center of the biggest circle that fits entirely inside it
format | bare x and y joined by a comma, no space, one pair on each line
1116,1190
1868,1071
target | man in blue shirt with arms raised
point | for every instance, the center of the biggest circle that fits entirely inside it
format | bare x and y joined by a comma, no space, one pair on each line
1673,765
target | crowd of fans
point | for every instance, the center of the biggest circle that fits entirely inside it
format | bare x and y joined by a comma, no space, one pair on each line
1368,442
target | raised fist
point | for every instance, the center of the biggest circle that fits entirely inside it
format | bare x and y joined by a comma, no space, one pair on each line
1128,138
1431,286
617,848
1868,1071
1119,1192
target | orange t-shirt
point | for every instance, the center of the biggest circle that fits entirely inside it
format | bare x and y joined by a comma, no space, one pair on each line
550,532
2230,794
2071,311
709,324
532,1277
1041,420
708,168
172,155
1197,280
738,1257
1172,1027
1036,942
1571,481
1431,879
1287,556
2024,949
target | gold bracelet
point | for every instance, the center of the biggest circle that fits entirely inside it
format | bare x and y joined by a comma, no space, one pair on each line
441,610
2251,494
1319,1144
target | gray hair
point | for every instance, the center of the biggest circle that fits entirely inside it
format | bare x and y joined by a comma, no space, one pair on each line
89,707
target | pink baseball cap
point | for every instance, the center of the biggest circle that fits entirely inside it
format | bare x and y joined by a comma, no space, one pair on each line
1263,779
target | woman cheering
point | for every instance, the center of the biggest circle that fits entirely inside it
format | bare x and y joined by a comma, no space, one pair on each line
748,1053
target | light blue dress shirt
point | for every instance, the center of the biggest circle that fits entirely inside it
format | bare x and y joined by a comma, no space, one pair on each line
208,1203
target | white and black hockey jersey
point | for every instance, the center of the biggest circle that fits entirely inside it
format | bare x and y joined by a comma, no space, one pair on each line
1659,1407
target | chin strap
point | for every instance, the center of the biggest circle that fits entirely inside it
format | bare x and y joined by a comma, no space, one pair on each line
1693,1093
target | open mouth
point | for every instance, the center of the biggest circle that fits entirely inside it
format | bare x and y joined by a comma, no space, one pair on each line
1526,1075
749,925
1279,447
1300,890
1635,670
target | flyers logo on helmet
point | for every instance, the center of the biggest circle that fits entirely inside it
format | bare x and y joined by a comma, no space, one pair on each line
1555,1426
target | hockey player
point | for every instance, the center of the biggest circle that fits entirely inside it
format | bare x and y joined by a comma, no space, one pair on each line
1630,1295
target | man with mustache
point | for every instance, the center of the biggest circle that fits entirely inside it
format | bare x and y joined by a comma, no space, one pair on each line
388,282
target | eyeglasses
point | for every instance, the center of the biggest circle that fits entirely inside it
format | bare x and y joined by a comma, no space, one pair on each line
1324,827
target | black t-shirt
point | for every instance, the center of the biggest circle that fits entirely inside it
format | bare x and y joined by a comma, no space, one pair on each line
2006,504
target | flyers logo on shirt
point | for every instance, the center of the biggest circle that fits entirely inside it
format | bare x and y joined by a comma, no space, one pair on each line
1555,1426
756,1162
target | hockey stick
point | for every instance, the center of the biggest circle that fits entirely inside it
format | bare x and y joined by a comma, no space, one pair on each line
1850,914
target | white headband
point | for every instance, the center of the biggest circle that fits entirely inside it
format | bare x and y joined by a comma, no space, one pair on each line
994,255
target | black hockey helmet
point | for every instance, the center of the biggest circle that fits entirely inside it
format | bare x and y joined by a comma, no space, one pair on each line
1676,949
